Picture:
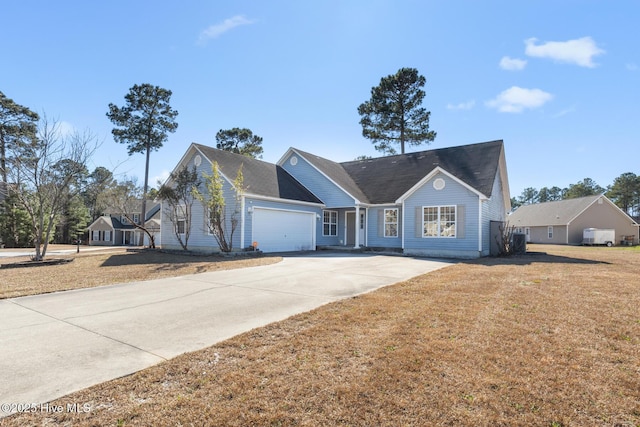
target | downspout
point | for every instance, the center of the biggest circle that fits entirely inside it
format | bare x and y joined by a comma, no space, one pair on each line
356,226
242,217
403,222
479,226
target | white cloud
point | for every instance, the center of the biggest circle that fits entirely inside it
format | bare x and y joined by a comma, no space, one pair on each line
579,51
462,106
216,30
512,64
517,99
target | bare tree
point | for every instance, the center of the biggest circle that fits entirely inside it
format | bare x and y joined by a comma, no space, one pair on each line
178,194
124,199
47,170
222,219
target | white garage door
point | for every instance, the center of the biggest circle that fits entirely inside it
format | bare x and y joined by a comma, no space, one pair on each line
283,231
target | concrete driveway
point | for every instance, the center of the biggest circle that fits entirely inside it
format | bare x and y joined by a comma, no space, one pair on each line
54,344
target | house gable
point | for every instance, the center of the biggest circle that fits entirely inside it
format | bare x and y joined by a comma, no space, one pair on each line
321,177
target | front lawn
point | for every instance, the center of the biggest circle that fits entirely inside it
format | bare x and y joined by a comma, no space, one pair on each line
538,340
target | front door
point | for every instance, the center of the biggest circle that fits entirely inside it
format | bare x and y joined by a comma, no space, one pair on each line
351,228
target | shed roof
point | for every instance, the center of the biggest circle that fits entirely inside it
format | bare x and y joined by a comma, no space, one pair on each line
560,212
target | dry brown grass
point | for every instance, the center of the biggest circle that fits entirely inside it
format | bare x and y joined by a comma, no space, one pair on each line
90,269
536,340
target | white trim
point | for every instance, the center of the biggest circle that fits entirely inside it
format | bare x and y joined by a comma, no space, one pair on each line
439,207
313,218
288,201
430,175
337,234
242,220
403,223
479,227
293,150
384,223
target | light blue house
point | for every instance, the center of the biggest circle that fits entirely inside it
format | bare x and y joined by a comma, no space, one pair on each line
431,203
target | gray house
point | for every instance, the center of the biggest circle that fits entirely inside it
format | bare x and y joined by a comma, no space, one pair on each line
433,203
563,221
113,229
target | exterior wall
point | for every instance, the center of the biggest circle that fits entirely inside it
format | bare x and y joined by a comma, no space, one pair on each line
273,204
540,235
493,209
602,215
101,224
465,244
199,240
317,183
375,228
340,239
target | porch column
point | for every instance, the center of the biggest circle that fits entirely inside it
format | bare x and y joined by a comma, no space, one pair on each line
357,227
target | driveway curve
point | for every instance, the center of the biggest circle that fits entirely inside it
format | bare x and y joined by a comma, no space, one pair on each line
55,344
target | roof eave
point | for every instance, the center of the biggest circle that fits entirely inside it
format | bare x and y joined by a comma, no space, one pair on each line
429,176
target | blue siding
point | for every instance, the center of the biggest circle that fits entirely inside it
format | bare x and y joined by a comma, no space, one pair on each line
465,244
375,228
317,183
494,209
200,239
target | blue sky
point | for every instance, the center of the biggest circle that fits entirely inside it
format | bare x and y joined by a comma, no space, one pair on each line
558,81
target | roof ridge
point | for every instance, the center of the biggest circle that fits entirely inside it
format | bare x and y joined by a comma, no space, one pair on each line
413,153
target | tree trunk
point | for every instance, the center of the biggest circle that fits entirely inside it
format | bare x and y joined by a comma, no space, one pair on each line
144,199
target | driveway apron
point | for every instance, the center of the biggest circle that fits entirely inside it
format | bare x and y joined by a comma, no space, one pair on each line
55,344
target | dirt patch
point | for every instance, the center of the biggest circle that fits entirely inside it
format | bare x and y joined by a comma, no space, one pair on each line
539,340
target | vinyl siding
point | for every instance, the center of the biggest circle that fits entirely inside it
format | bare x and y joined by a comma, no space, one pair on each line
494,209
200,239
330,194
465,245
375,228
602,215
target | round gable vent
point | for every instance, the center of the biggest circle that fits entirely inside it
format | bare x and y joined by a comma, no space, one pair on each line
293,160
197,160
438,184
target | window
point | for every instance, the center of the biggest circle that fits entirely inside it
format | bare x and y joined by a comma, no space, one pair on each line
550,231
107,236
439,221
330,223
391,223
180,226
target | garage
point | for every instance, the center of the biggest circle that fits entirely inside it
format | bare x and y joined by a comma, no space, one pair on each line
283,231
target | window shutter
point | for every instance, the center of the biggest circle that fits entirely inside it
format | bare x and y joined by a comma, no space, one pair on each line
419,221
380,222
460,223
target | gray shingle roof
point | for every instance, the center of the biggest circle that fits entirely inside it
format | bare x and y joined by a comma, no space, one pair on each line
386,179
260,178
559,212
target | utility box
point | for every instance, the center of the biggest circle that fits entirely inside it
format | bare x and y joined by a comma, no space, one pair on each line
598,236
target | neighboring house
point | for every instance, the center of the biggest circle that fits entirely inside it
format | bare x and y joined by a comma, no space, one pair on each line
433,203
563,221
113,229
